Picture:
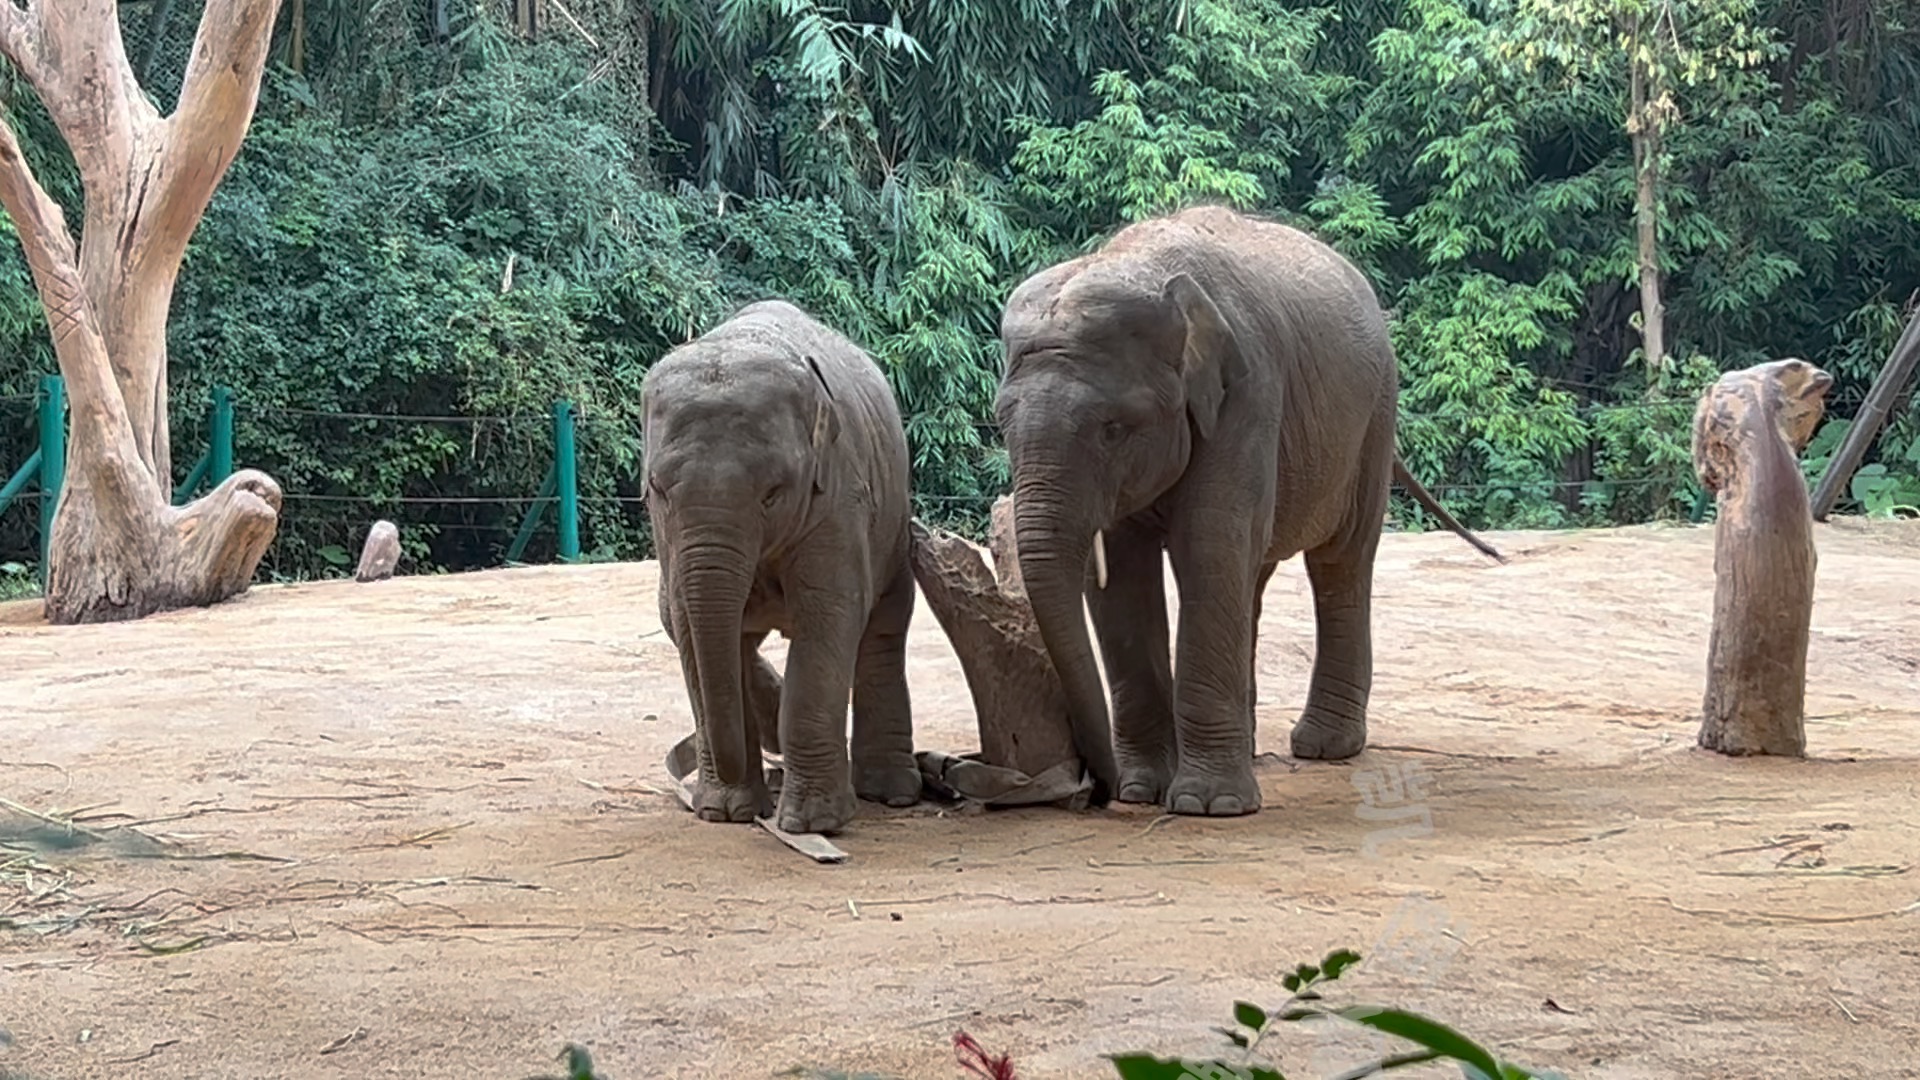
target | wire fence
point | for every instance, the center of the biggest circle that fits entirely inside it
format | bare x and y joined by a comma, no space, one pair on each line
336,514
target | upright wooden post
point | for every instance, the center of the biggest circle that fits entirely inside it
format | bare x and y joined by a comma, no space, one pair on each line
1893,377
1748,432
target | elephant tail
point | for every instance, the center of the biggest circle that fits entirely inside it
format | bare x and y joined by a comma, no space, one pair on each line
1404,477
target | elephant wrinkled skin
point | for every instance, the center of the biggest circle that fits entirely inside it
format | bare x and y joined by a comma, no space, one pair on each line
777,476
1221,389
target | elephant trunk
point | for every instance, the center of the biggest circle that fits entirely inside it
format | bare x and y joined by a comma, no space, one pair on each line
715,576
1054,537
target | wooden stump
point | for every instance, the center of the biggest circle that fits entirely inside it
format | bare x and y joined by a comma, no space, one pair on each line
1748,432
380,554
1017,697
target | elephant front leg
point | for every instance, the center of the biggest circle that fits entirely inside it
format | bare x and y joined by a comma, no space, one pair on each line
1212,710
816,794
715,799
883,767
1130,616
1334,723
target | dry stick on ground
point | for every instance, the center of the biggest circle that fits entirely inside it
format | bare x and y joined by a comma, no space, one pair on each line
1748,432
120,549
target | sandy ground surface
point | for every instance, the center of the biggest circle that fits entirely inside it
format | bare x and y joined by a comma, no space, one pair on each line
420,829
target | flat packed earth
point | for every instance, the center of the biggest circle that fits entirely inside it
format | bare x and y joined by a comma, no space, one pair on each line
420,828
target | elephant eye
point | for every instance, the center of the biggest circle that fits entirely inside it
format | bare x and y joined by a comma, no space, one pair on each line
773,495
1112,432
654,488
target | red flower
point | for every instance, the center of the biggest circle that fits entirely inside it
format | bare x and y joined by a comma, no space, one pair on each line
977,1061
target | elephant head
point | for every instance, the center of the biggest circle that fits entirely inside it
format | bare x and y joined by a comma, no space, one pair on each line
736,439
1112,372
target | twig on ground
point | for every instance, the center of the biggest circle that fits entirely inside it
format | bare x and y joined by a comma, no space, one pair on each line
1054,843
1577,839
1843,1008
149,1052
1792,917
608,857
1442,753
63,823
344,1041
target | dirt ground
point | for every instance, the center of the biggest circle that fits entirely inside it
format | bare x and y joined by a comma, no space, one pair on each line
421,829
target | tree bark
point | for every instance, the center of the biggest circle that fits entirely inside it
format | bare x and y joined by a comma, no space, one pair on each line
1017,697
1645,132
1748,432
119,550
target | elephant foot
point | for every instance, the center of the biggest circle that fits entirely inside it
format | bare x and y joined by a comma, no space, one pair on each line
739,803
1208,795
804,810
1143,783
1318,738
892,784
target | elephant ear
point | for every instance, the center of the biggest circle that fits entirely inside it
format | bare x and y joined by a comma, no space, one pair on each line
1210,358
826,425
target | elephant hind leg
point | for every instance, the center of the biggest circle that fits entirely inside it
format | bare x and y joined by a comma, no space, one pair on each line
1334,723
1253,648
884,769
761,693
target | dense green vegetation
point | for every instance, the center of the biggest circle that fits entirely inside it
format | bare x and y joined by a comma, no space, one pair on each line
472,223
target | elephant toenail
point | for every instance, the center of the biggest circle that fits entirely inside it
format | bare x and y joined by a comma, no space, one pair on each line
1188,804
1136,793
1227,805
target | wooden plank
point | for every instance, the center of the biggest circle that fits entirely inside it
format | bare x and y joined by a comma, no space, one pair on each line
1893,378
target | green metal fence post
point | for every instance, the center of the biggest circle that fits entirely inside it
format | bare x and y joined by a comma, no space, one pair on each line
53,459
566,480
220,444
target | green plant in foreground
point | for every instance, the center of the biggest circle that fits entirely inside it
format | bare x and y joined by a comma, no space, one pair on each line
1252,1025
579,1064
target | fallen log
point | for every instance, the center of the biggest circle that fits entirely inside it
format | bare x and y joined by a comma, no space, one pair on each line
1748,432
1026,744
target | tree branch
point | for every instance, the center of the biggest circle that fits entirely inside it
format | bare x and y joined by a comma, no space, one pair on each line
82,77
217,100
20,39
77,341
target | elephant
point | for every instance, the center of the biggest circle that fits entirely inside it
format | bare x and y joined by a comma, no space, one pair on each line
777,482
1220,388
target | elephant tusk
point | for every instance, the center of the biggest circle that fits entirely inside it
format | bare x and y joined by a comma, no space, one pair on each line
1099,559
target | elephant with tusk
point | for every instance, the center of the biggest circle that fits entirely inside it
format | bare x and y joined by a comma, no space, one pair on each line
1220,389
777,476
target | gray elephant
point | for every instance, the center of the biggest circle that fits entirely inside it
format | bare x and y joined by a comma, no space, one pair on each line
1220,388
777,478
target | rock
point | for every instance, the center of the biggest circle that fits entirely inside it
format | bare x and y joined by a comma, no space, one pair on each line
380,554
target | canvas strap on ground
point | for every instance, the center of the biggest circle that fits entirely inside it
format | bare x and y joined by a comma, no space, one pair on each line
684,758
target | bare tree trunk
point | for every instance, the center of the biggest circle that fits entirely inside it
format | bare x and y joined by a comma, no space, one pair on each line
1748,432
119,549
1645,133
